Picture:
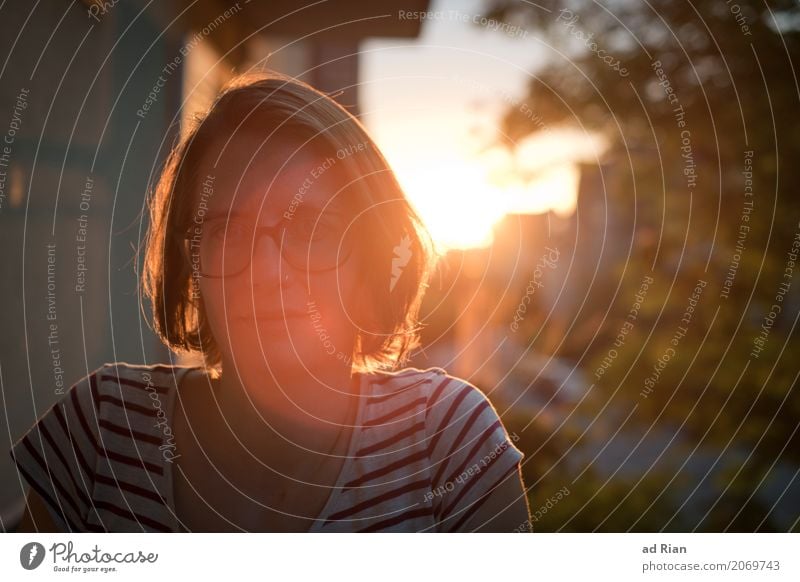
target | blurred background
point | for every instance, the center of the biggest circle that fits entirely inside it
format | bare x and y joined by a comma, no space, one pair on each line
612,188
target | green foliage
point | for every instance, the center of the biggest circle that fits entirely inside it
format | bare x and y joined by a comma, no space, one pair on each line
738,91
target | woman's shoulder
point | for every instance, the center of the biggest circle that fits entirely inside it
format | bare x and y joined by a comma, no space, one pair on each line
464,446
452,410
114,384
105,433
137,375
134,383
116,396
117,382
118,400
441,391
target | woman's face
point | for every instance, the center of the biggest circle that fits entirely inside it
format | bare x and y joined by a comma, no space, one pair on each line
290,310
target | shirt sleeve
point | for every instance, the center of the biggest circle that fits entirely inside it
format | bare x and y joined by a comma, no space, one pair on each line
57,455
471,452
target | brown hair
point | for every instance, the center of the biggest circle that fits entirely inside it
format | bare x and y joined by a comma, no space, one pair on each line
267,103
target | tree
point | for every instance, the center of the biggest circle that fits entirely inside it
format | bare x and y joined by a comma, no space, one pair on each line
699,102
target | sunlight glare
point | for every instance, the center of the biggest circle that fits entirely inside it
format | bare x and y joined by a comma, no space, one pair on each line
461,203
554,189
456,202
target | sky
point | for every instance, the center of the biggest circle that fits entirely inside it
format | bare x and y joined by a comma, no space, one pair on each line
434,102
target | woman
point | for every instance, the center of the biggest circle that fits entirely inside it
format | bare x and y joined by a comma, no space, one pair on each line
281,249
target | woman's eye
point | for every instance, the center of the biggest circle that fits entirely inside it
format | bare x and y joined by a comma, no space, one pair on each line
316,228
313,228
230,233
301,228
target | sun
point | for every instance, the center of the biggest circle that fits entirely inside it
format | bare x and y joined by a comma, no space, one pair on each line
455,200
461,202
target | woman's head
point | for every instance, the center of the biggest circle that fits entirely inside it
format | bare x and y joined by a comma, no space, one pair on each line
278,231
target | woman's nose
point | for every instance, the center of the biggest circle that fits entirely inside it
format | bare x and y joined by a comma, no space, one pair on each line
266,261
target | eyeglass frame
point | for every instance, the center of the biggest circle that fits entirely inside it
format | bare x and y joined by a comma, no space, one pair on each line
272,232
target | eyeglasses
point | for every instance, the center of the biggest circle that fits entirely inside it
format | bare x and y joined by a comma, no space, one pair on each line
223,247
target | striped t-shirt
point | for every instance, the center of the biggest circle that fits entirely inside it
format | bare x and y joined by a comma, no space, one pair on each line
425,454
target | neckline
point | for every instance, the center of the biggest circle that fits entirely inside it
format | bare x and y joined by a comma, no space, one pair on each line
350,452
180,376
